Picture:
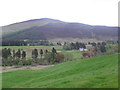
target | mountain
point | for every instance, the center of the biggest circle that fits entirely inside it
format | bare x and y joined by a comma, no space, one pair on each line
45,28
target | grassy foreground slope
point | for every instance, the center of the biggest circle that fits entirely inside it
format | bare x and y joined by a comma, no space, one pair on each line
98,72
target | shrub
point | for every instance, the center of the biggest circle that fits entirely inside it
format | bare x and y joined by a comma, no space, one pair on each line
60,57
24,61
111,49
40,61
67,47
4,62
16,61
29,62
68,57
20,63
54,58
50,57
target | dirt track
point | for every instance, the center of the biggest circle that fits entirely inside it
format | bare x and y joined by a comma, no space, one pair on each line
12,68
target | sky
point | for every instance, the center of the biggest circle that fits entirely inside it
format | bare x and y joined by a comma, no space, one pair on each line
93,12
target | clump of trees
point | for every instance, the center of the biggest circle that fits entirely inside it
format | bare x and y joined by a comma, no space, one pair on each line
74,46
12,57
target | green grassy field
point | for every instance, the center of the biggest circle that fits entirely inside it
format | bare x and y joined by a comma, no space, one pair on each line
97,72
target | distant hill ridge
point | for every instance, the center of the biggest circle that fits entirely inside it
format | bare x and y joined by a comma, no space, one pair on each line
45,28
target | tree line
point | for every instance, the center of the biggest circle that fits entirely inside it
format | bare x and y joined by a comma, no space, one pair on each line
26,43
12,57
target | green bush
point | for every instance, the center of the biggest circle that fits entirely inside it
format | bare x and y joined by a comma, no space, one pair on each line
20,63
111,49
59,57
29,62
24,61
4,62
54,58
68,57
16,61
49,57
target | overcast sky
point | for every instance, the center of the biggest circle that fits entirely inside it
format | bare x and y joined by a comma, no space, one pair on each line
93,12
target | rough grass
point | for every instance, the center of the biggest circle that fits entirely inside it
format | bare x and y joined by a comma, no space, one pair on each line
75,54
98,72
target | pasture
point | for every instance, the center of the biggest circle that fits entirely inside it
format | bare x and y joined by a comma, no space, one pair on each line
94,72
97,72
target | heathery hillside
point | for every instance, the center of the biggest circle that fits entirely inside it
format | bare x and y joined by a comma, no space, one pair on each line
45,28
97,72
20,26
